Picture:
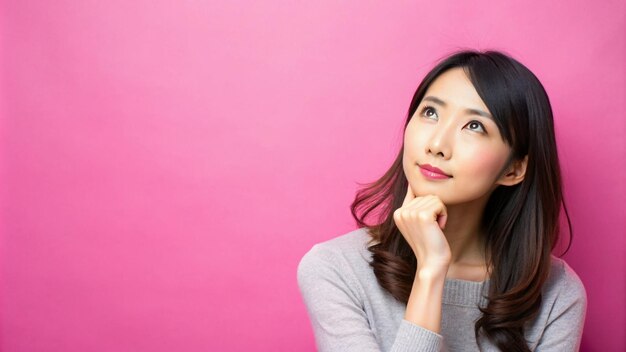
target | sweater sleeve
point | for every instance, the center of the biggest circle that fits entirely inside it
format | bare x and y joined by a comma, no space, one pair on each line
564,328
337,313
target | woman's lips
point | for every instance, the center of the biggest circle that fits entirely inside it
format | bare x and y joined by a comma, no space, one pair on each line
433,172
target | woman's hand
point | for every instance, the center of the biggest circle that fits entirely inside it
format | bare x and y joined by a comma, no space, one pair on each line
421,220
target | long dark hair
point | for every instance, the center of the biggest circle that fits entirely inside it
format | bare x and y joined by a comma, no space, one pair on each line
521,222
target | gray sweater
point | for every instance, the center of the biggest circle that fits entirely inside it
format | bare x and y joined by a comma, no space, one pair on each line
350,311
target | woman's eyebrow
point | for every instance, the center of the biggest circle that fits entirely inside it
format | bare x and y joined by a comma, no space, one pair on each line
468,111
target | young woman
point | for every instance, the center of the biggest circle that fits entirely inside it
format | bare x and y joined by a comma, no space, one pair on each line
457,255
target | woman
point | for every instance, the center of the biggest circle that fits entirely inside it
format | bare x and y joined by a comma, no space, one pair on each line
458,254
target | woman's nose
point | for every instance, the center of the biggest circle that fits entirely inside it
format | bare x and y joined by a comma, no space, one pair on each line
441,141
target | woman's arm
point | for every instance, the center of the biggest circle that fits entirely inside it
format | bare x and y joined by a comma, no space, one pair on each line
424,305
421,220
337,314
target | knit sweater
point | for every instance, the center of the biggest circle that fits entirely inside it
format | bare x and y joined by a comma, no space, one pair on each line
350,311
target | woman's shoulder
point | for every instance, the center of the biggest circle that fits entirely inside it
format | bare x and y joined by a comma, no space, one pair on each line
344,252
561,317
348,245
564,283
352,241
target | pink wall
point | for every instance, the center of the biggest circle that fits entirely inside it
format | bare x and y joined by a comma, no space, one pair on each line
167,163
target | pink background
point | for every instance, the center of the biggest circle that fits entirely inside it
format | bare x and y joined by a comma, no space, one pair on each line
165,164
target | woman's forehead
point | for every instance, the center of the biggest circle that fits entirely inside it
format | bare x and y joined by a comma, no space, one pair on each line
454,89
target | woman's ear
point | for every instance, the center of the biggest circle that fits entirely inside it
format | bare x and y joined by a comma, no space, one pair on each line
515,173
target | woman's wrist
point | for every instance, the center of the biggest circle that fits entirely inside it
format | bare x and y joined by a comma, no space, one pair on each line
432,272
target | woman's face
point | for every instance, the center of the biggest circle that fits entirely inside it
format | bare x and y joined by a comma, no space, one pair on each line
452,130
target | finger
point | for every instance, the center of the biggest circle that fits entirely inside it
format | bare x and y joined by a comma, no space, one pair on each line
438,209
397,217
442,213
409,195
441,220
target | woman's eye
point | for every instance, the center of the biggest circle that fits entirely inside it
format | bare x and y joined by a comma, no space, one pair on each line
476,126
426,111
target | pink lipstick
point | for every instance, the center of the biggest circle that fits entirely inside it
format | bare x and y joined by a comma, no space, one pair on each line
433,173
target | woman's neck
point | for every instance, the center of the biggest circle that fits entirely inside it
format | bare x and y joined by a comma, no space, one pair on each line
466,240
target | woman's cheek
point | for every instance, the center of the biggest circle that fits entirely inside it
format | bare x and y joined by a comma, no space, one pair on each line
484,165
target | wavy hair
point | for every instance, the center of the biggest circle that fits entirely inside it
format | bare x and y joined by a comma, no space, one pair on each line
521,222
